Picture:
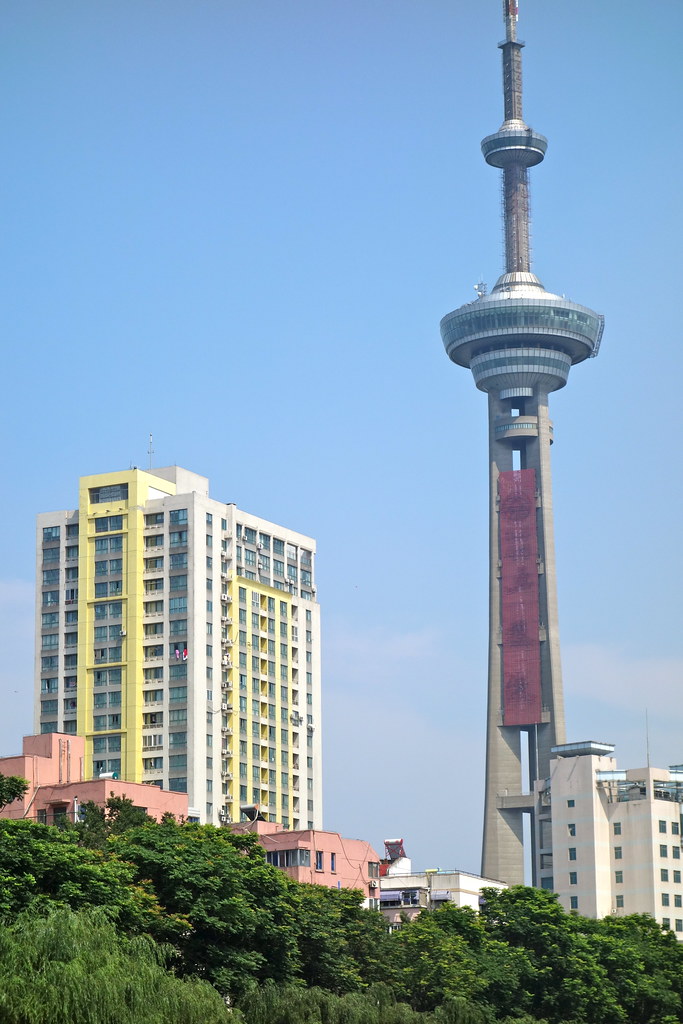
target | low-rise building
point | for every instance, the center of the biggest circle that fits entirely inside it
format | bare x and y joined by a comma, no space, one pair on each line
405,893
609,841
319,857
53,765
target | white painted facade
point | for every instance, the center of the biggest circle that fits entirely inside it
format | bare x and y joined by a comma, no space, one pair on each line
609,841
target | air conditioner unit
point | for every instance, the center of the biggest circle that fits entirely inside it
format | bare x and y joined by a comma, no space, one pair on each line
122,632
224,707
372,883
311,727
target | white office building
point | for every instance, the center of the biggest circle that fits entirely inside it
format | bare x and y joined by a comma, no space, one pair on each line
608,841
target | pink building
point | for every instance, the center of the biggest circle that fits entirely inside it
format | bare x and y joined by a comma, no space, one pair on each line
53,766
320,858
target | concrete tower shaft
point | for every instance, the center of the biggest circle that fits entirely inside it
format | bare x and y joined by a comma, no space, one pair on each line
520,343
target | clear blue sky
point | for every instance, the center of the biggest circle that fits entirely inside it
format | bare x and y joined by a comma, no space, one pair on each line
237,225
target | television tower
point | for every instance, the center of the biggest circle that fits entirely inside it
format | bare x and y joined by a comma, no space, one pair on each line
519,341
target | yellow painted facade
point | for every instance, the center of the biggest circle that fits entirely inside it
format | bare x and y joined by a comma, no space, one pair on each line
131,515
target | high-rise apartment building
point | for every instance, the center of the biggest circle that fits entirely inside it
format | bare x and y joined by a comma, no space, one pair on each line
181,637
610,840
520,342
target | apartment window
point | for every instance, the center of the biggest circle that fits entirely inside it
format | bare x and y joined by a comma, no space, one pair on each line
155,541
333,862
664,874
662,827
50,576
663,851
617,828
50,533
675,828
154,519
678,900
666,922
177,605
572,852
177,715
665,899
177,537
178,515
114,492
617,853
50,597
619,877
177,739
619,901
106,524
573,878
573,902
676,852
178,785
677,877
570,803
319,860
679,924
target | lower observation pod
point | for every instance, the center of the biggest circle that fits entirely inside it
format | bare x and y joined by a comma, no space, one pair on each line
521,336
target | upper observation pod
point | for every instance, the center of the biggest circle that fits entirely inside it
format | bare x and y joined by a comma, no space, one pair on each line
514,143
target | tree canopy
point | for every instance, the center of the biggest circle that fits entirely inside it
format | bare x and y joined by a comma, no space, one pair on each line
205,918
11,788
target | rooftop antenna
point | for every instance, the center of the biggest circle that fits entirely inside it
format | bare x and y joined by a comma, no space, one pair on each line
150,451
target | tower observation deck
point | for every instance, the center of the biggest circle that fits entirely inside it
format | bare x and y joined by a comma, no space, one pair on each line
519,341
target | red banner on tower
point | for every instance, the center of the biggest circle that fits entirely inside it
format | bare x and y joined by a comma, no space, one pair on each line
519,592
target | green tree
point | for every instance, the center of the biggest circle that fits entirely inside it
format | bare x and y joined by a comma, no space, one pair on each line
12,787
241,919
117,816
74,968
428,964
41,865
